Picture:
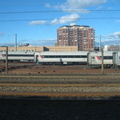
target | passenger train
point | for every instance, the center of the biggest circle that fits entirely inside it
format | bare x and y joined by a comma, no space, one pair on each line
93,59
78,57
111,58
17,56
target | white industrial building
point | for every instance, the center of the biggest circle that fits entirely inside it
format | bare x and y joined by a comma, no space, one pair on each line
112,48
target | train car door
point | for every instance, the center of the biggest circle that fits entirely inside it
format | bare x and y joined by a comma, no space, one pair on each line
36,58
92,59
114,59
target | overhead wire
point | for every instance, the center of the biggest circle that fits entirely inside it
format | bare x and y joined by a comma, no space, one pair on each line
48,11
17,12
110,2
22,20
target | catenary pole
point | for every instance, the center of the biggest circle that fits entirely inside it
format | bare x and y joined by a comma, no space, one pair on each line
102,63
6,59
15,42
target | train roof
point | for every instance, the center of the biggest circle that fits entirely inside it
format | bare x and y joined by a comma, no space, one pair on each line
99,52
63,53
16,52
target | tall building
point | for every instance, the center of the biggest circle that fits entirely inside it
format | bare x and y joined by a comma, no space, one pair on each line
76,35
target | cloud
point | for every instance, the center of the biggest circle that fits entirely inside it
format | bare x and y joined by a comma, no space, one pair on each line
78,6
70,6
82,3
64,19
47,42
118,21
7,44
48,5
84,11
115,35
1,33
38,22
67,18
39,42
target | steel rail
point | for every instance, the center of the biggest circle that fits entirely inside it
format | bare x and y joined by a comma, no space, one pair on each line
60,85
50,76
31,94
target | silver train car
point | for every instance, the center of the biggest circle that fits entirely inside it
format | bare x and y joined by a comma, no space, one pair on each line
95,59
116,59
66,57
17,56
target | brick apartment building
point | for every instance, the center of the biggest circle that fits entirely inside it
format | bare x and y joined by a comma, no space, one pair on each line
76,35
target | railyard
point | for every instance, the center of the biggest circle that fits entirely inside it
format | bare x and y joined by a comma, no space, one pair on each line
60,87
59,82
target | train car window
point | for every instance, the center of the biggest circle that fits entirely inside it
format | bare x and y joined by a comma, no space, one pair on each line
48,56
57,56
108,57
20,55
84,56
51,56
64,56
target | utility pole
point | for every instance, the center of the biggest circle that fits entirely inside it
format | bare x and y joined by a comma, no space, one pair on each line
6,59
102,64
15,42
100,44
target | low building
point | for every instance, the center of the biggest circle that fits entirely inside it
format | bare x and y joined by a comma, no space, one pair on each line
40,48
112,48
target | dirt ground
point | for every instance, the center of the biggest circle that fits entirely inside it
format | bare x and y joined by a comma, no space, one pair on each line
57,69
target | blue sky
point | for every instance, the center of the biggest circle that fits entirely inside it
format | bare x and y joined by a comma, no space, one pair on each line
36,21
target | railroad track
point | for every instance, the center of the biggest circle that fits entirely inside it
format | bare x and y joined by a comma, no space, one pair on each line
96,86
